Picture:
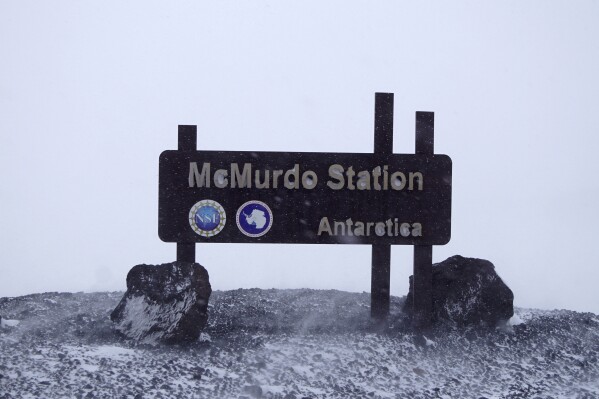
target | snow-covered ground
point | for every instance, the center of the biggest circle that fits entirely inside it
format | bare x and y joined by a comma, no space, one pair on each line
291,344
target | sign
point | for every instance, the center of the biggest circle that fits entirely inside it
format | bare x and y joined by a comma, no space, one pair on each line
304,198
381,199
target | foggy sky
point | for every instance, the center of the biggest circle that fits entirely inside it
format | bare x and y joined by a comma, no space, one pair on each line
92,92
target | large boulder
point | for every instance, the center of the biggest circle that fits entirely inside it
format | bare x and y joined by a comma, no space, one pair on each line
164,303
467,291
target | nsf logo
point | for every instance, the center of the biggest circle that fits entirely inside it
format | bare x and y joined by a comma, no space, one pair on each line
254,218
207,218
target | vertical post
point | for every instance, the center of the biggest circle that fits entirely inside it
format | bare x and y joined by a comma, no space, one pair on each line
425,133
380,281
381,253
186,251
383,123
423,254
188,138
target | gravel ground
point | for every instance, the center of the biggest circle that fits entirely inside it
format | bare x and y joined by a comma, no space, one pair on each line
291,344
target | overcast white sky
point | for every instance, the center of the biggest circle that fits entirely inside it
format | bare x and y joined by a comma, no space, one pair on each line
92,92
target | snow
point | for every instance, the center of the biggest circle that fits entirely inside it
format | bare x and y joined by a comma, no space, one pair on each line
292,343
112,351
9,323
429,342
204,337
91,368
138,314
515,320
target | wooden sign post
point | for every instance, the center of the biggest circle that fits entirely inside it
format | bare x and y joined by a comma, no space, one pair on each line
379,199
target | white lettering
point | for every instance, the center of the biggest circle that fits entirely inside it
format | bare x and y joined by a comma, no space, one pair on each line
376,173
379,229
292,173
220,178
324,226
349,227
240,176
389,224
359,230
336,172
363,180
339,226
275,178
414,175
241,179
350,176
404,229
199,179
309,179
398,181
417,230
266,183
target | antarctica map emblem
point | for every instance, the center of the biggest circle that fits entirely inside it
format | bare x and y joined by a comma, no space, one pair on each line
207,218
254,218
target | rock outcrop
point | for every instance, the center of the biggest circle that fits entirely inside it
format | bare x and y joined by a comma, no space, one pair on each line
467,291
164,303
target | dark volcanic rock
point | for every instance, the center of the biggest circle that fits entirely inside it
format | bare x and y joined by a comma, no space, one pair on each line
166,303
467,291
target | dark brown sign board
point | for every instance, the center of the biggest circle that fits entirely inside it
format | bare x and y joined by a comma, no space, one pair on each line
380,198
307,198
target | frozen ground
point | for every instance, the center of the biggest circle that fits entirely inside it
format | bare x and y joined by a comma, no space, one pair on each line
291,344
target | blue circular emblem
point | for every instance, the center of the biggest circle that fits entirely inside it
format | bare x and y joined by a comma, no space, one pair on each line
254,218
207,218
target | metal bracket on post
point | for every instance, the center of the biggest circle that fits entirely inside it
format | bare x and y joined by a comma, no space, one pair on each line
422,300
381,253
188,137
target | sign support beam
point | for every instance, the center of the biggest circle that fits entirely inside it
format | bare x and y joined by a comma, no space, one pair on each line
423,254
381,253
188,137
398,194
